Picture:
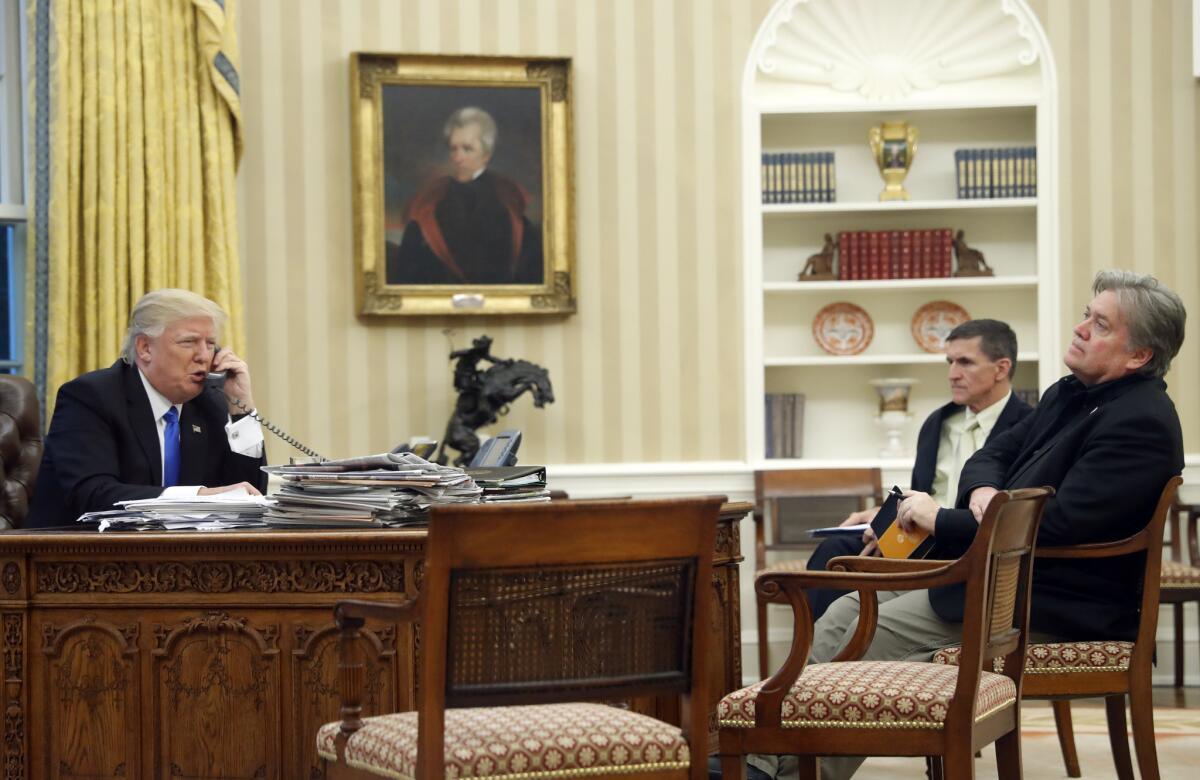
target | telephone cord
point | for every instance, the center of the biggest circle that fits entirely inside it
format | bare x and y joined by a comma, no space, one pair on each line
266,424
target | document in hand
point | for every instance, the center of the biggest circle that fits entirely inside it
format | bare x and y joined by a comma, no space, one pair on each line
894,541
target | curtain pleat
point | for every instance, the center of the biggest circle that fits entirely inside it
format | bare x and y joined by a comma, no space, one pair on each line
144,141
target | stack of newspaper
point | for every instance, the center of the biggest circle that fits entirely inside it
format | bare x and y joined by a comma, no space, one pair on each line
229,511
391,489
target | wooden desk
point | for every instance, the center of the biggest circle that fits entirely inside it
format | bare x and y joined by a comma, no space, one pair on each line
205,656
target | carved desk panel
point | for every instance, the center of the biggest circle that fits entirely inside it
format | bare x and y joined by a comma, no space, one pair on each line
206,656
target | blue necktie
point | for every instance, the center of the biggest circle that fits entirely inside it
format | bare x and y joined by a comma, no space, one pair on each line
171,448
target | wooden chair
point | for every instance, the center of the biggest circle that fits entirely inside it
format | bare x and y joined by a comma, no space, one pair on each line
861,708
1062,671
817,497
1180,575
534,605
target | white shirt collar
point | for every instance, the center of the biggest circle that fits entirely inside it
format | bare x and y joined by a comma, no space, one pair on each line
158,402
987,417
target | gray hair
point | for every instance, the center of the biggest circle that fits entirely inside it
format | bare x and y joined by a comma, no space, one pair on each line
472,115
1153,313
996,340
156,310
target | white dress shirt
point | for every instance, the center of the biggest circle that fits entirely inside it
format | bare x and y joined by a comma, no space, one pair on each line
245,436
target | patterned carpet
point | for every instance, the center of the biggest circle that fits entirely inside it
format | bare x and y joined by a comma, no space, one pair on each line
1177,738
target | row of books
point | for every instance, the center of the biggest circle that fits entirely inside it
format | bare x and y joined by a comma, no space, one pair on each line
785,425
798,177
895,254
996,173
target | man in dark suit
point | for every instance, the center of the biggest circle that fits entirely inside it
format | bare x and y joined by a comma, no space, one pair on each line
982,358
144,427
1106,438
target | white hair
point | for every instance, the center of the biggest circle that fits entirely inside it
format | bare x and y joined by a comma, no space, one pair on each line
473,116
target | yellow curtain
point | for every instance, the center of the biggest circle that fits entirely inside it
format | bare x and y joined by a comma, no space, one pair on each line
141,123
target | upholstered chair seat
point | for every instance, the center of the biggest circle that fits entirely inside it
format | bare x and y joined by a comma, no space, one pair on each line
1179,575
1062,657
545,740
792,564
883,694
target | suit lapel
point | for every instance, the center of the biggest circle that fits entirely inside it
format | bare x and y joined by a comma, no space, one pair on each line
193,445
927,448
1007,418
141,420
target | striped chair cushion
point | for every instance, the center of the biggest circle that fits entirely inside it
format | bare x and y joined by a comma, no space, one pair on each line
531,741
793,564
1055,657
1179,575
869,694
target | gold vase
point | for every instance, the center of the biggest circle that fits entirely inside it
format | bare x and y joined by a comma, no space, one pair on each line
893,144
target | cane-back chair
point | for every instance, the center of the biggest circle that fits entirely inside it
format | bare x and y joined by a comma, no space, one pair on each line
524,607
1180,574
1062,671
898,708
789,502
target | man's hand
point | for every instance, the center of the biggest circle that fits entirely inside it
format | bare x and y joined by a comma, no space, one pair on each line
917,510
860,517
238,384
980,498
210,491
870,542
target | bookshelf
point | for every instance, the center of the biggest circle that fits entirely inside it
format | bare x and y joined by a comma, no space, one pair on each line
801,93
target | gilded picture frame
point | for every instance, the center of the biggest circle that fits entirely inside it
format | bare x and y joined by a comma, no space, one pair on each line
463,177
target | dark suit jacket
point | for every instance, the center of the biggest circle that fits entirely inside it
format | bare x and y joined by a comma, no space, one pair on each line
1107,450
103,447
924,469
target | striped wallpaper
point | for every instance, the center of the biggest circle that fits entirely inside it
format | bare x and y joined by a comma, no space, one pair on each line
650,367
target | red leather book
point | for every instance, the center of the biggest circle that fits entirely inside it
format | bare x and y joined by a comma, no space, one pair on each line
843,255
906,254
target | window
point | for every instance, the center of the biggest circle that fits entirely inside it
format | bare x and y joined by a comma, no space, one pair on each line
12,189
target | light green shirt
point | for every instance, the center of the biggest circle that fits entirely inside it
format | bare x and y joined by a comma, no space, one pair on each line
954,447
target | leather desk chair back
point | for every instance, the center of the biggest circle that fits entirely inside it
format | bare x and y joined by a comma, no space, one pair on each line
20,448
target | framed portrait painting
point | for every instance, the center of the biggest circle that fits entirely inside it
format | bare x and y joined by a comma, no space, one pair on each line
463,184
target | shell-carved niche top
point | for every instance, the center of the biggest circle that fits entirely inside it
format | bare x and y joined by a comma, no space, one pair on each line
887,49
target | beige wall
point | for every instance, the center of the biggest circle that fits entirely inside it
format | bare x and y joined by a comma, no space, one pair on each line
649,369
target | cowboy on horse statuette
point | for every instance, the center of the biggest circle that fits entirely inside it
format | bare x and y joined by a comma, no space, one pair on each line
485,394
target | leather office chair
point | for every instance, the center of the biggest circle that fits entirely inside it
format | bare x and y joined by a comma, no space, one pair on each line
600,601
813,497
1062,671
20,448
900,708
1181,575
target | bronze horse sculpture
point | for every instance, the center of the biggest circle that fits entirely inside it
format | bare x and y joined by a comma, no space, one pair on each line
484,395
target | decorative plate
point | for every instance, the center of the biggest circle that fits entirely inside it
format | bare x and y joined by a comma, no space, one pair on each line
843,329
933,322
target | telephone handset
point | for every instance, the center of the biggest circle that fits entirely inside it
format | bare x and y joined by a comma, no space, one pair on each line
215,382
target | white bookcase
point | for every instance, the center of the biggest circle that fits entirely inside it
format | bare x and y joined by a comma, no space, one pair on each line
967,74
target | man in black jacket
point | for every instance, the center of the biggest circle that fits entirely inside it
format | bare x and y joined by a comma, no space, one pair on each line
981,357
145,427
1107,439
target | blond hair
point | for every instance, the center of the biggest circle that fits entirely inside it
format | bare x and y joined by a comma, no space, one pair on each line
156,310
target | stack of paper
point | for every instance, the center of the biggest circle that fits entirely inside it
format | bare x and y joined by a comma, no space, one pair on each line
232,510
391,489
511,483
